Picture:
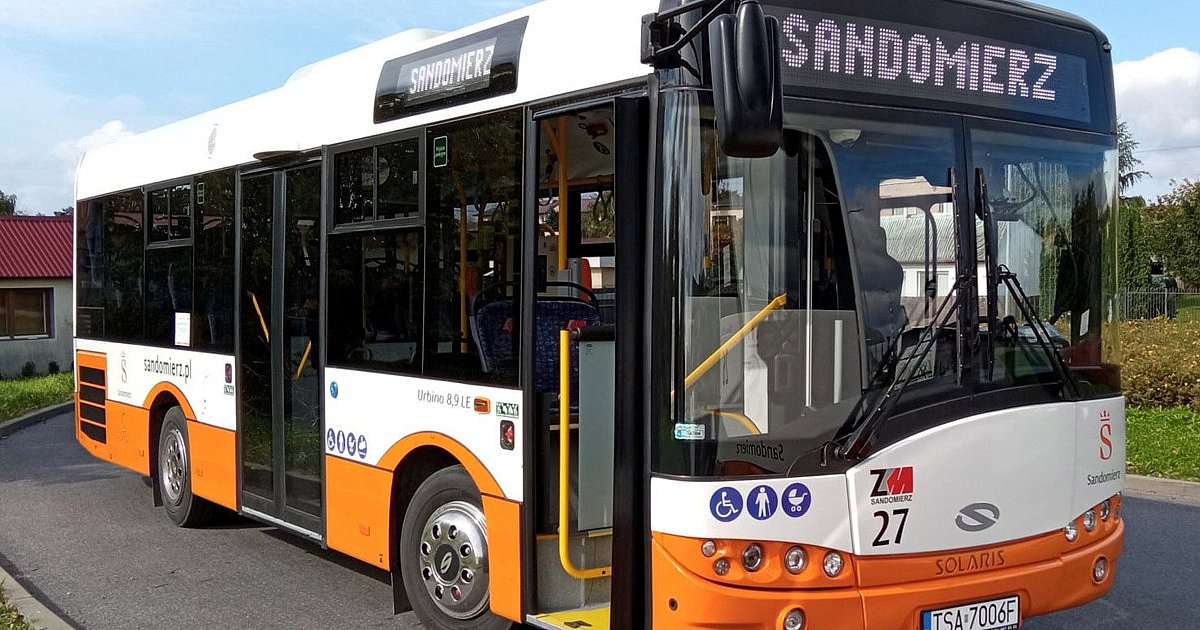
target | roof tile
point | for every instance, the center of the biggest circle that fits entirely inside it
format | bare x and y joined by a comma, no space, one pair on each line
35,247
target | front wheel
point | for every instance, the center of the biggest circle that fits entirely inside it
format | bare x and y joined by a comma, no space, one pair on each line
175,474
443,555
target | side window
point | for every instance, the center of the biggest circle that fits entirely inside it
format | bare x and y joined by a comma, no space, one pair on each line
170,211
90,262
122,268
472,251
212,321
375,305
378,183
168,271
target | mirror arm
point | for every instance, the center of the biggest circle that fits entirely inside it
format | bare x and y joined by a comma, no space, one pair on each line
661,27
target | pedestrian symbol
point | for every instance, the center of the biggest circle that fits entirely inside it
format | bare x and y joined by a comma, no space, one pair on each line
725,504
796,500
763,502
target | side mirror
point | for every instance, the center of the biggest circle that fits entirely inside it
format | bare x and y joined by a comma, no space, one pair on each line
746,70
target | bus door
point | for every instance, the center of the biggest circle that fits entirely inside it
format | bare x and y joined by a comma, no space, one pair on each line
279,426
575,354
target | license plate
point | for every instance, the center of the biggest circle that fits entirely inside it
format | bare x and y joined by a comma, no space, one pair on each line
996,614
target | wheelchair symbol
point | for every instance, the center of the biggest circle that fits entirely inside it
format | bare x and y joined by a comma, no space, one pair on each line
725,504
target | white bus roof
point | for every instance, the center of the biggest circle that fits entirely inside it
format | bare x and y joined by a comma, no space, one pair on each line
569,45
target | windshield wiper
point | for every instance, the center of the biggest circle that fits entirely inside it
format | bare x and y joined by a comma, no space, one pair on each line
854,442
1040,332
983,210
997,273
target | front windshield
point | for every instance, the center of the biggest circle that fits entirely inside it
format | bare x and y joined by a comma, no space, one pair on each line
1051,199
776,345
807,284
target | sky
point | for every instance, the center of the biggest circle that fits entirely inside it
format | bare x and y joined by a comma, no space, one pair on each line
75,74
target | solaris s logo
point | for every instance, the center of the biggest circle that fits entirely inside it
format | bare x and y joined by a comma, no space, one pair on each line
977,517
124,369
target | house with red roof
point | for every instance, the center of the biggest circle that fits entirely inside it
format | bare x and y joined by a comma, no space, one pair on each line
35,294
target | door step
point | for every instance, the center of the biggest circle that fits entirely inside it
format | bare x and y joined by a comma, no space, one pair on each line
595,618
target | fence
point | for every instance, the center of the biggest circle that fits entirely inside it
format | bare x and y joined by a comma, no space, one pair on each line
1169,304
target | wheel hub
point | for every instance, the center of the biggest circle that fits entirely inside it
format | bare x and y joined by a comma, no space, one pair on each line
452,556
173,466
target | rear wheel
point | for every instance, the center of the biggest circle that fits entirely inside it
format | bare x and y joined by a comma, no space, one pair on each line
443,555
175,474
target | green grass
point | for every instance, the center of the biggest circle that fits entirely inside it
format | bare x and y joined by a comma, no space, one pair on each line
10,619
22,396
1164,442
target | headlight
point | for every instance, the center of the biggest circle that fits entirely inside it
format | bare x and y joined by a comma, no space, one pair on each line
709,548
721,566
1071,531
795,560
833,564
794,620
1105,510
1100,570
752,557
1089,520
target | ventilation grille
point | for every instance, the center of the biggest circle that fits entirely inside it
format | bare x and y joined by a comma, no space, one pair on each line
93,392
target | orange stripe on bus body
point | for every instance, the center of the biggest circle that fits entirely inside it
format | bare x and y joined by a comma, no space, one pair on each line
358,510
1046,574
214,463
170,388
483,478
504,555
129,436
358,514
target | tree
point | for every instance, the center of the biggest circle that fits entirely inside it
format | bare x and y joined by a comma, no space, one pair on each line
68,211
1127,162
1133,255
8,204
1173,231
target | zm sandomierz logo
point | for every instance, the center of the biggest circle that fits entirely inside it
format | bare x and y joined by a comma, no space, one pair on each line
977,517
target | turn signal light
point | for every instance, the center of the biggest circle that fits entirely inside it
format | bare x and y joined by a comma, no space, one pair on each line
795,560
833,564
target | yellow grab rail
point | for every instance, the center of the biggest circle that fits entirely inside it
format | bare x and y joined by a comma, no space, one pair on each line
720,352
261,320
303,361
564,465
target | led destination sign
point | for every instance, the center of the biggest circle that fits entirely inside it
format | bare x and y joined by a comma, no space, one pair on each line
462,70
836,52
474,68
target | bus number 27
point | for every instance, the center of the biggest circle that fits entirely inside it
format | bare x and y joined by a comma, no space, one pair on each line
900,515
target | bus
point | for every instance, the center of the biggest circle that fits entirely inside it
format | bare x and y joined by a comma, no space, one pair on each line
720,313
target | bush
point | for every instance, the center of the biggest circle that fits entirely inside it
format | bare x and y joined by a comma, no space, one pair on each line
18,397
52,368
1162,363
29,370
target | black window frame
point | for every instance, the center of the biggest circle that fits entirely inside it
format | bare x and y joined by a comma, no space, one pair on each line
374,143
169,188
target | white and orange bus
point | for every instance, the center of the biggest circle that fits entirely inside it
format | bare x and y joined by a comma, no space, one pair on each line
640,315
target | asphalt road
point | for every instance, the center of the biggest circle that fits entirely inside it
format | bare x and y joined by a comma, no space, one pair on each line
82,535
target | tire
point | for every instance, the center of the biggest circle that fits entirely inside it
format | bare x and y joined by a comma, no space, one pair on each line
175,474
443,551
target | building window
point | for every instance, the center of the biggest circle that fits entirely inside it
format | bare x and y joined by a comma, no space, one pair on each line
25,313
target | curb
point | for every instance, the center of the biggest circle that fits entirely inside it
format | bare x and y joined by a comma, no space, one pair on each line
1172,490
30,419
35,613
